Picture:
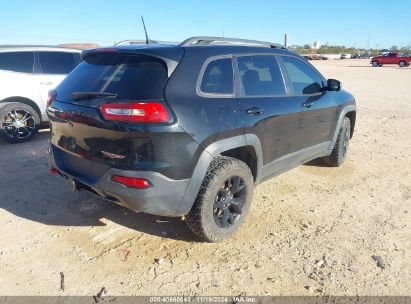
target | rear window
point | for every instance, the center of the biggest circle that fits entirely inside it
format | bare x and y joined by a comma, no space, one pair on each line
57,62
17,62
218,77
133,77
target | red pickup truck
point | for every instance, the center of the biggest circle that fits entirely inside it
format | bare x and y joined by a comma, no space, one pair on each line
391,58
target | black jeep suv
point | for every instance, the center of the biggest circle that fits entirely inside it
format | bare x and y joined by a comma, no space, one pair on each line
190,129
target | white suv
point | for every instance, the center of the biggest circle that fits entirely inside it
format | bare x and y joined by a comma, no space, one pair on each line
27,74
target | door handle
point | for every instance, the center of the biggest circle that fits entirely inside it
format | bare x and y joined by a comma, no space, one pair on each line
254,111
308,104
46,83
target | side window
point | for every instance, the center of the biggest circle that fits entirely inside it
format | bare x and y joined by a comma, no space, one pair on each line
17,62
57,62
218,77
303,79
261,76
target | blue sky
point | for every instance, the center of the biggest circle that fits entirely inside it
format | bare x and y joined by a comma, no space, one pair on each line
336,22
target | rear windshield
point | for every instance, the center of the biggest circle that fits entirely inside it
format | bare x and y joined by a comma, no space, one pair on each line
134,77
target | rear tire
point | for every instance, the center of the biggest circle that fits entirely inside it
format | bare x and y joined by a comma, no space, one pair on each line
402,64
224,200
375,63
18,122
340,150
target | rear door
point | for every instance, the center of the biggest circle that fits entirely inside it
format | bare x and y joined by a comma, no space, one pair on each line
318,106
392,58
51,68
267,110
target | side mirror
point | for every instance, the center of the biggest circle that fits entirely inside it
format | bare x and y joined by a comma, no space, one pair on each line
333,85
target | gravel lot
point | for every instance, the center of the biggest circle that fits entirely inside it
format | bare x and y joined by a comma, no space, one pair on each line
312,230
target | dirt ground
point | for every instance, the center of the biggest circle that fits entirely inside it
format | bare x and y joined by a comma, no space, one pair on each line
311,230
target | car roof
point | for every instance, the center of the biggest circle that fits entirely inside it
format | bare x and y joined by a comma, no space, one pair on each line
33,48
205,47
216,43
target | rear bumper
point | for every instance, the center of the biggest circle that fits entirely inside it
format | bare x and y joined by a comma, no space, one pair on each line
164,197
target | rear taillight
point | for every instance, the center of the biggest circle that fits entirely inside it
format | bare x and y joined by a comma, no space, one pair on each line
131,182
52,95
135,112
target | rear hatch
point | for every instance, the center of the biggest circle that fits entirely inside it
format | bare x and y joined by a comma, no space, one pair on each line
109,112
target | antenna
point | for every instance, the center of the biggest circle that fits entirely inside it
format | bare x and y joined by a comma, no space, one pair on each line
145,31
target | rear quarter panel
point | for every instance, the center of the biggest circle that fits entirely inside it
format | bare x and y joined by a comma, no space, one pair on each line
206,119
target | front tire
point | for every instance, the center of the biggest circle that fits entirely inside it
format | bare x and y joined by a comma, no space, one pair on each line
224,200
375,63
18,122
402,64
339,152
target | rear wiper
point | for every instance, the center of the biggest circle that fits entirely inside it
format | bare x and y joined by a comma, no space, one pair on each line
89,95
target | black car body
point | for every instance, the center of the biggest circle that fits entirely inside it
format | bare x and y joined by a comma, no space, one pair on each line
259,103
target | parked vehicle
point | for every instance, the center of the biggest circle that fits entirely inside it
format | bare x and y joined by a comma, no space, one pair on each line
345,56
391,58
191,129
315,57
360,56
27,73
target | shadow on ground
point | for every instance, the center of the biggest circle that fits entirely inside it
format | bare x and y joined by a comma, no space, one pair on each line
29,191
318,162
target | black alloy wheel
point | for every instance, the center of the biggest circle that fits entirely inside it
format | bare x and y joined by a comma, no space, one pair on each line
229,202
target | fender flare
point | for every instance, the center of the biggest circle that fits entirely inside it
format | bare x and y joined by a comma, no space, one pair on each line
207,156
343,113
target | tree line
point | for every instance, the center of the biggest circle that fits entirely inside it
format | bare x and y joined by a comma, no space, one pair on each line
340,49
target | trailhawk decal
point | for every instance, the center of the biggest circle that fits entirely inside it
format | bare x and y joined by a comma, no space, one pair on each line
112,155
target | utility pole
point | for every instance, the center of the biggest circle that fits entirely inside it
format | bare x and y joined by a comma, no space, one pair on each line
286,40
368,41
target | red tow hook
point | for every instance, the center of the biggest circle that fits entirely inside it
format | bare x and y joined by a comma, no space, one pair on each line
54,170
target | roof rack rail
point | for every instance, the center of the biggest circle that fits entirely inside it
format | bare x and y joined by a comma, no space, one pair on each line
195,41
135,41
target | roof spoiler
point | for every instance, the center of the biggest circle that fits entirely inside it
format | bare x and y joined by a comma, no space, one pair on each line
169,61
